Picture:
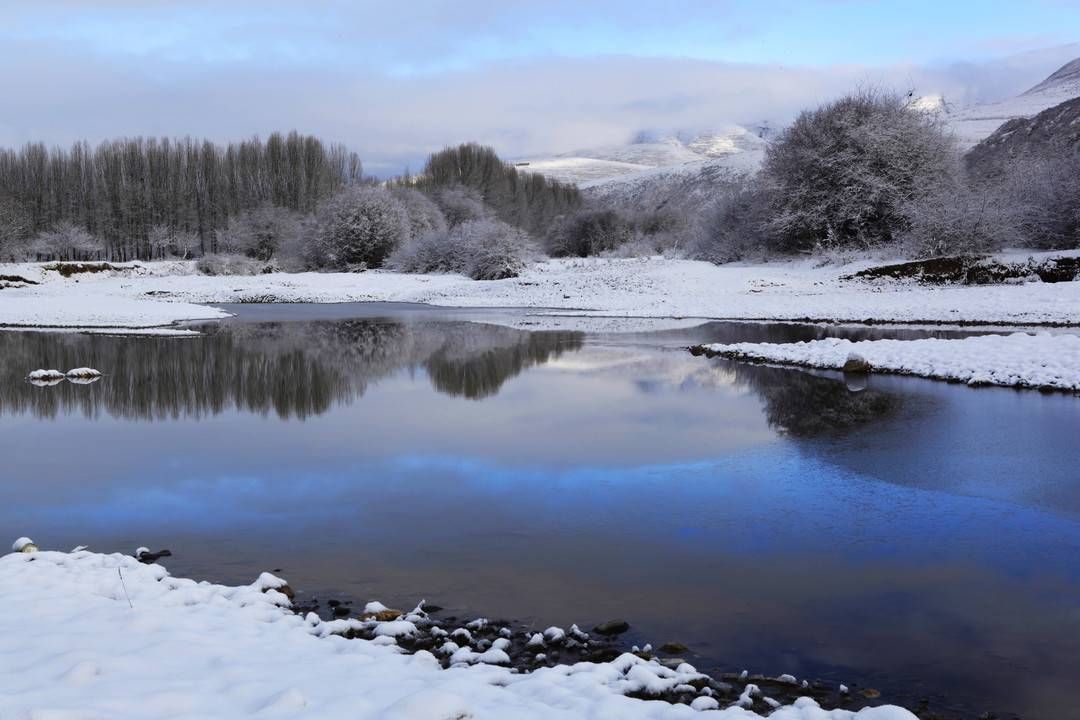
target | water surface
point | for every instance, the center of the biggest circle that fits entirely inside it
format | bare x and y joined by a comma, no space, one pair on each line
917,537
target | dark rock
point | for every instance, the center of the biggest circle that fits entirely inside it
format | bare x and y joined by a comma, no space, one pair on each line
149,558
342,611
673,648
856,364
612,627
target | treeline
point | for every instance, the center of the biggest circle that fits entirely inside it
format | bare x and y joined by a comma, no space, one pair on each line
113,196
526,200
290,203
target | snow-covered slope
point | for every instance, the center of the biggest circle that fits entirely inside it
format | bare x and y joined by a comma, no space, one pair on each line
651,157
976,123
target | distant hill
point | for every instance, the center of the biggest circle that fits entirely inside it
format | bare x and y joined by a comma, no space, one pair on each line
974,124
656,170
1053,130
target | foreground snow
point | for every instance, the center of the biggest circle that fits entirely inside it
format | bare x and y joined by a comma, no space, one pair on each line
155,294
89,635
1018,360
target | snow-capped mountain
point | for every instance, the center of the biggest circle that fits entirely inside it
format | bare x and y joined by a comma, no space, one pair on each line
656,170
737,147
976,123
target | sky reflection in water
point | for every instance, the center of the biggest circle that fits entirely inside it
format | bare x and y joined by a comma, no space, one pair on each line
918,537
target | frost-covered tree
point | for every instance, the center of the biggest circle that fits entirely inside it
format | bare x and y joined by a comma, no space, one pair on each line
589,232
735,228
460,204
841,174
485,249
66,241
261,232
166,241
525,199
14,229
424,215
359,228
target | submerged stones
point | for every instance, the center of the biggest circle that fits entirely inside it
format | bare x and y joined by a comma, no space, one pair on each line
612,628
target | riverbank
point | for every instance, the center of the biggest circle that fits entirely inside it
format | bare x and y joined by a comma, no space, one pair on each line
105,635
139,295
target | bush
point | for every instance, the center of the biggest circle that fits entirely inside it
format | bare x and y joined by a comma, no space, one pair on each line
66,241
360,227
165,241
460,204
735,228
841,175
954,219
589,232
230,264
260,233
481,249
425,217
1045,189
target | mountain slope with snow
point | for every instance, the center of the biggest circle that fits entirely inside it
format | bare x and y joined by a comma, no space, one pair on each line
735,147
974,124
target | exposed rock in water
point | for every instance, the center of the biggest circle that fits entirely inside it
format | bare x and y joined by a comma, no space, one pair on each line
612,627
856,364
673,648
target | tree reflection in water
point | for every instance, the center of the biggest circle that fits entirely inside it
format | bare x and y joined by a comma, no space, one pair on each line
295,370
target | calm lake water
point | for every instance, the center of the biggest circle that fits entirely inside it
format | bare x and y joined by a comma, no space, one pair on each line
917,537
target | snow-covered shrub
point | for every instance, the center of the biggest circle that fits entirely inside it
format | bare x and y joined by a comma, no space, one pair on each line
735,227
359,228
954,219
1044,188
261,232
588,232
482,249
425,217
460,204
841,174
66,241
232,264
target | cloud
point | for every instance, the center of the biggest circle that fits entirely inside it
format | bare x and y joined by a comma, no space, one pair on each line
394,86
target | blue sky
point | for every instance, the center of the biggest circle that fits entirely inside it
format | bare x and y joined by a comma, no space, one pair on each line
393,79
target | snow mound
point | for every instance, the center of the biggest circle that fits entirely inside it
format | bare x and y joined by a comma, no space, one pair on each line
1042,361
45,375
83,373
105,636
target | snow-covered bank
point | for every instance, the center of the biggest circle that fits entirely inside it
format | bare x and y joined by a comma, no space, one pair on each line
1018,360
144,295
91,635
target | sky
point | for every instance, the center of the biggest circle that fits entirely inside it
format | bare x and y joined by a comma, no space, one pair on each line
395,81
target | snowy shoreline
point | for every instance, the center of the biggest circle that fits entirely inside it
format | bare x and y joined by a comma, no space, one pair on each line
159,294
1040,361
105,635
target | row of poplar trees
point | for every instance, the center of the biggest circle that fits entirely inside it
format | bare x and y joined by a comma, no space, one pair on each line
121,189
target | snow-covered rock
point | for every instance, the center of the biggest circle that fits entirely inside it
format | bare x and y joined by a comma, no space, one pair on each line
194,649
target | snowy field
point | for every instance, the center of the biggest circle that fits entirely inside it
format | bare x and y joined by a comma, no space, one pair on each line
88,635
1019,360
157,294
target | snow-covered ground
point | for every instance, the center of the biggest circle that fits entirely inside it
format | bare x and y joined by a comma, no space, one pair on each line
155,294
87,635
1019,360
